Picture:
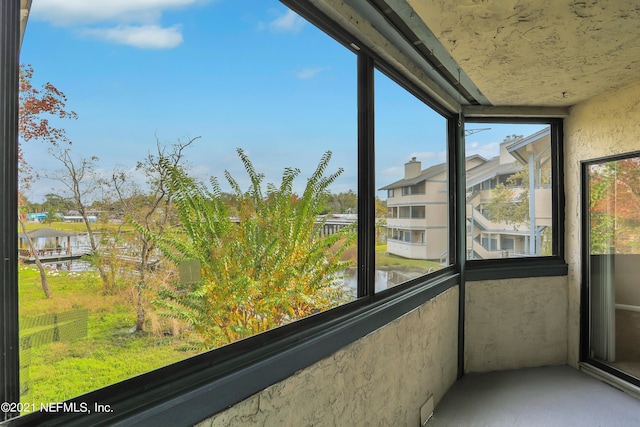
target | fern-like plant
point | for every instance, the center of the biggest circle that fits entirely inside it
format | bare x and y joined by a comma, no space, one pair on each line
269,266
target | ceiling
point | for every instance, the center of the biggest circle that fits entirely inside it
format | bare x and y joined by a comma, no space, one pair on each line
542,53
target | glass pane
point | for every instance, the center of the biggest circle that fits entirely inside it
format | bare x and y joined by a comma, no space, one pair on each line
614,264
509,209
146,260
412,179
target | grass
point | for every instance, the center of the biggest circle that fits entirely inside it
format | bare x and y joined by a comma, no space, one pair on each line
109,353
79,227
386,260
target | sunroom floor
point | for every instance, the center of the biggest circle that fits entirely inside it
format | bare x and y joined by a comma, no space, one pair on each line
542,397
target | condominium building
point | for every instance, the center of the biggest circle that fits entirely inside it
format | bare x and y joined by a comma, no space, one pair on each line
417,204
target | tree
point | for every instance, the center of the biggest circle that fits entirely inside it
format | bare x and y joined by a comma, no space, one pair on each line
81,180
342,203
270,267
509,201
152,217
33,250
380,208
614,205
35,105
54,204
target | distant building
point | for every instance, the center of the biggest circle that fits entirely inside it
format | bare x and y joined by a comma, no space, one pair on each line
417,205
78,218
36,217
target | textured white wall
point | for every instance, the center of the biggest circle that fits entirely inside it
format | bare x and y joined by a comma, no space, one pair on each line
515,323
381,379
602,126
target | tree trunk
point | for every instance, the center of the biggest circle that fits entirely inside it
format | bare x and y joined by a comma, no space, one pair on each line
140,315
97,259
36,257
144,262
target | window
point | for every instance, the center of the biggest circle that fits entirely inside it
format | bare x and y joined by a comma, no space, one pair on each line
183,114
418,212
411,147
510,203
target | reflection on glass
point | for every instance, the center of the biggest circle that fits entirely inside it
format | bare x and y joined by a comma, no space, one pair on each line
508,190
411,176
174,264
614,263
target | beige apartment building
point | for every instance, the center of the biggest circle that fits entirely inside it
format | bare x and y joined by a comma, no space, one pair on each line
417,204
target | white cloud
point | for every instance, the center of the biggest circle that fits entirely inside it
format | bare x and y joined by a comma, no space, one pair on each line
309,73
68,12
289,22
487,150
127,22
143,36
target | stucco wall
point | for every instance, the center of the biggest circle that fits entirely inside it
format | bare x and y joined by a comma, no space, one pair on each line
381,379
515,323
604,125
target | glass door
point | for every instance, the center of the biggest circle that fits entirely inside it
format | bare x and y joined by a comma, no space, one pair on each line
611,317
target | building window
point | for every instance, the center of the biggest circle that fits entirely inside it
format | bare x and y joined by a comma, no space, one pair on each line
418,212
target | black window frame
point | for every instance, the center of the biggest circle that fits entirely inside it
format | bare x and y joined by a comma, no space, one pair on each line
534,266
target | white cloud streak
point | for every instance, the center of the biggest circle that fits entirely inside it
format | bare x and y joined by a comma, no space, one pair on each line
309,73
127,22
289,22
68,12
144,36
487,151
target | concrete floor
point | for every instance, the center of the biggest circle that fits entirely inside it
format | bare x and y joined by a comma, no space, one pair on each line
550,396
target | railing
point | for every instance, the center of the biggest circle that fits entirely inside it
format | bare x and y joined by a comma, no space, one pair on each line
51,252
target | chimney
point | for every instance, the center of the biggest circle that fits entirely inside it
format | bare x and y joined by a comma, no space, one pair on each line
412,168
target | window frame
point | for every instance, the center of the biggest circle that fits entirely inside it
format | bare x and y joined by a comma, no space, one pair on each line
553,265
9,76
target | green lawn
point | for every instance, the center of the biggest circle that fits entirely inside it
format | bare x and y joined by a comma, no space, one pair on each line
385,260
79,227
109,353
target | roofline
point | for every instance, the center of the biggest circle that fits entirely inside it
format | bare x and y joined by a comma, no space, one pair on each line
398,183
25,9
513,147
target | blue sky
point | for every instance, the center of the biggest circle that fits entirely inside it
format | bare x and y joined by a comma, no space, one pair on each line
236,73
